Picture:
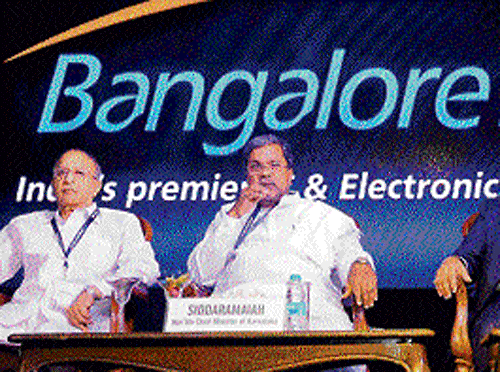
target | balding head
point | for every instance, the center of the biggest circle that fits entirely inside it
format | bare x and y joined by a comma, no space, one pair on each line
76,180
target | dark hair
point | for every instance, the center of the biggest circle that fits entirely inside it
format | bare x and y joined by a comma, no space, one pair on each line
99,174
269,139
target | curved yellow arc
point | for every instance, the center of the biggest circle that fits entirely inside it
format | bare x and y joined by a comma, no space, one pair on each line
127,14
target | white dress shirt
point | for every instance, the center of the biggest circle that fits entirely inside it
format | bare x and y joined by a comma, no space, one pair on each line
112,247
298,236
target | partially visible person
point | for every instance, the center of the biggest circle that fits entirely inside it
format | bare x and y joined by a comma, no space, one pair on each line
70,255
477,261
269,234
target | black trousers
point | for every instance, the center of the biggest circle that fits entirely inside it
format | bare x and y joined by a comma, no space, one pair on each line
482,325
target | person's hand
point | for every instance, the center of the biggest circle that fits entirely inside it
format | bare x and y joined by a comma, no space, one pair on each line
451,271
248,199
78,313
362,283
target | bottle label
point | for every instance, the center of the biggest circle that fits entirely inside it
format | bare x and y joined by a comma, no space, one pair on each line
297,308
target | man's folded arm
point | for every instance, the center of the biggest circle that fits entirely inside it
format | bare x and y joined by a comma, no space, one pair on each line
347,247
10,262
470,248
355,266
137,257
209,257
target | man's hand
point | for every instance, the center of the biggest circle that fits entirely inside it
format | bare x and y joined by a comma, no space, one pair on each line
248,199
362,283
451,271
78,313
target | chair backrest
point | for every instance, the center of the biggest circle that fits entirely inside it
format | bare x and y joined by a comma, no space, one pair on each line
147,230
460,341
466,226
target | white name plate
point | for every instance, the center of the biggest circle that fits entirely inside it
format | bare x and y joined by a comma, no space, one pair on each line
224,314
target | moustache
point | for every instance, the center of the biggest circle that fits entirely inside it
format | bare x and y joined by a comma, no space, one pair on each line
268,184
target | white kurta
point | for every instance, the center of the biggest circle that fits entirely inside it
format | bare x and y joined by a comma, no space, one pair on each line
112,247
298,236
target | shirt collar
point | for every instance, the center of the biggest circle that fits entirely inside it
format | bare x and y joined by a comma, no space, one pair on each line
285,201
289,199
83,212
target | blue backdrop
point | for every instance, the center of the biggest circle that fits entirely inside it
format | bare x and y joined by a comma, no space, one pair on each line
392,109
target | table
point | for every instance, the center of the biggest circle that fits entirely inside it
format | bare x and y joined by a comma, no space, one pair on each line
493,341
228,351
9,357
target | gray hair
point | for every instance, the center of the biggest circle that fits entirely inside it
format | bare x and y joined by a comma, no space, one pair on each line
269,139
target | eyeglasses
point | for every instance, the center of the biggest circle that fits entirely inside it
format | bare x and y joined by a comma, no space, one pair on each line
77,174
255,167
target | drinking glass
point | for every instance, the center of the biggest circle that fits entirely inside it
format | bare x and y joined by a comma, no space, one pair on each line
122,290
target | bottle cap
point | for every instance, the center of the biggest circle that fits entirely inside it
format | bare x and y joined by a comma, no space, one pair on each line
295,278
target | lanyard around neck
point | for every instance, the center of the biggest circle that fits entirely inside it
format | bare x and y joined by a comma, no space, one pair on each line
76,239
250,225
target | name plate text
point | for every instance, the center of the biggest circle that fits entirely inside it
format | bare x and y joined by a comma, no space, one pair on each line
218,314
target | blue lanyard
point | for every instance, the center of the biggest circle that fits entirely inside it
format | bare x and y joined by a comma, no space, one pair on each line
76,239
249,226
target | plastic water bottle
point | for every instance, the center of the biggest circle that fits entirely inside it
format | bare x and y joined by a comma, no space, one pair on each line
297,305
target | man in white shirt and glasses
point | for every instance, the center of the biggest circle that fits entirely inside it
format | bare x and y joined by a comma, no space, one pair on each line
269,234
70,256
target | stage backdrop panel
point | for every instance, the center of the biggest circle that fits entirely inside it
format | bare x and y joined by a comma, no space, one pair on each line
392,108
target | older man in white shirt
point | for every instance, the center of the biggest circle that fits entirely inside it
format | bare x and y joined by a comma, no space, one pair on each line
267,235
70,256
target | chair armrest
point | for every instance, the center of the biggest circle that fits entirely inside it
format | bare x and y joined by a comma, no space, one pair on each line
359,318
460,341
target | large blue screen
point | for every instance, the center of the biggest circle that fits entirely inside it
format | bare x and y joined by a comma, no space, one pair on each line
392,108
